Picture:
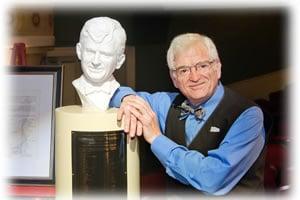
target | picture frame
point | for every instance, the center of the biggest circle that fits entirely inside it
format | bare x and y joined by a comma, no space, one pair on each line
34,93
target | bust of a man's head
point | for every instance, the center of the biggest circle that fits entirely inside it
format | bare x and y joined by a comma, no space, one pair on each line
101,50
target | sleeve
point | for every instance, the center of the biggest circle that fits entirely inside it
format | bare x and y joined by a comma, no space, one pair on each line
119,94
122,92
222,168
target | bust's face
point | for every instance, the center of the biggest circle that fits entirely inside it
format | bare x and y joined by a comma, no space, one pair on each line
98,60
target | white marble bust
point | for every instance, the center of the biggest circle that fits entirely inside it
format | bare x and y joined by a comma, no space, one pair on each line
101,50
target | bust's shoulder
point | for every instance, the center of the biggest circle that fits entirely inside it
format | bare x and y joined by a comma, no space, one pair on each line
78,83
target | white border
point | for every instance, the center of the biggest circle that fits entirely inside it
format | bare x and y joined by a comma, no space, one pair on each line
293,46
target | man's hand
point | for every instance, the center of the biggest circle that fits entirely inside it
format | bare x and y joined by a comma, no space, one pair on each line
138,118
131,125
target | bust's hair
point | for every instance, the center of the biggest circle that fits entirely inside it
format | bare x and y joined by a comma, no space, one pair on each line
184,41
104,29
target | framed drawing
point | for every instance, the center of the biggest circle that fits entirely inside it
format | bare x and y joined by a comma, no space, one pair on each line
35,92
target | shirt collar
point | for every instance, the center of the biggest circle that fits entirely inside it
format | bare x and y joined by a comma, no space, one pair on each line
106,87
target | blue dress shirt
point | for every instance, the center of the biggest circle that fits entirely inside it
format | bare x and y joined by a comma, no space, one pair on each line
222,168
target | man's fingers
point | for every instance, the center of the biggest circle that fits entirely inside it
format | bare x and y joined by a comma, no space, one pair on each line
139,103
139,128
138,110
137,114
142,111
120,113
126,120
133,126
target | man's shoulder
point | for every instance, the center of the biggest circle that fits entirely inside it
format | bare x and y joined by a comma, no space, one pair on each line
236,97
79,84
161,96
77,81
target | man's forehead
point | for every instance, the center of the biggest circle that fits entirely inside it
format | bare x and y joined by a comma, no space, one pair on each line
105,43
104,46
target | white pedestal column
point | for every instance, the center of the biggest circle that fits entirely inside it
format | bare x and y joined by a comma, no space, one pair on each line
75,118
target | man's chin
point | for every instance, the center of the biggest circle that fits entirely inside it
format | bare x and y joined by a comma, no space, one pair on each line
96,80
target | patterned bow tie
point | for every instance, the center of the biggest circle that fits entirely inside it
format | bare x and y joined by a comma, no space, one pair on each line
186,110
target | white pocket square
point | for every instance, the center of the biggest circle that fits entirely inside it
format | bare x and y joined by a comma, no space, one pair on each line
214,129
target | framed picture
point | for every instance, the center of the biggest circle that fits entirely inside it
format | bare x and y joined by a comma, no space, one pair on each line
35,92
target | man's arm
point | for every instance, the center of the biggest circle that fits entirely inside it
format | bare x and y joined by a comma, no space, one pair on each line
159,102
118,96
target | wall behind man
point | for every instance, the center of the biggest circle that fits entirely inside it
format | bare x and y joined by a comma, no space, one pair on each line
251,42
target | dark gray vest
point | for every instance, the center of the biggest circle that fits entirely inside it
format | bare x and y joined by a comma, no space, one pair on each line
228,110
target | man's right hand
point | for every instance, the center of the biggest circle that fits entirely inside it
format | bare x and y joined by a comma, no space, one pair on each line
131,125
139,118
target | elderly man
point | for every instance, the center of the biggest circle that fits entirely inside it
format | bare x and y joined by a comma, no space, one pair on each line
101,50
207,137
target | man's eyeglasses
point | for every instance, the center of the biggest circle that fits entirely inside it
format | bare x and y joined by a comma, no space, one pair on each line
185,71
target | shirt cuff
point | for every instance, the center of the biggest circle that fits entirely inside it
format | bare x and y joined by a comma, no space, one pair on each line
162,147
119,94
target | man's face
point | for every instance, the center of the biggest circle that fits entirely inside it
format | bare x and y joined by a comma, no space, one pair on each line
197,84
98,60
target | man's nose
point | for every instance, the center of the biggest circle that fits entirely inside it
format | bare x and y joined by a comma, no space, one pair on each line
194,74
96,60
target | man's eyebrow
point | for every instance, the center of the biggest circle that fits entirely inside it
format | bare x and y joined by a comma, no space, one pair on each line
181,66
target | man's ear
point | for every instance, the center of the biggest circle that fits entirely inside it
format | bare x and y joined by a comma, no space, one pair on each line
120,61
174,79
78,50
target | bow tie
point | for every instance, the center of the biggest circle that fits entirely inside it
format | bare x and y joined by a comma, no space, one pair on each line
186,110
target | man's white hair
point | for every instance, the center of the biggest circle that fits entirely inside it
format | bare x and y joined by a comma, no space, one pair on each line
104,29
183,41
